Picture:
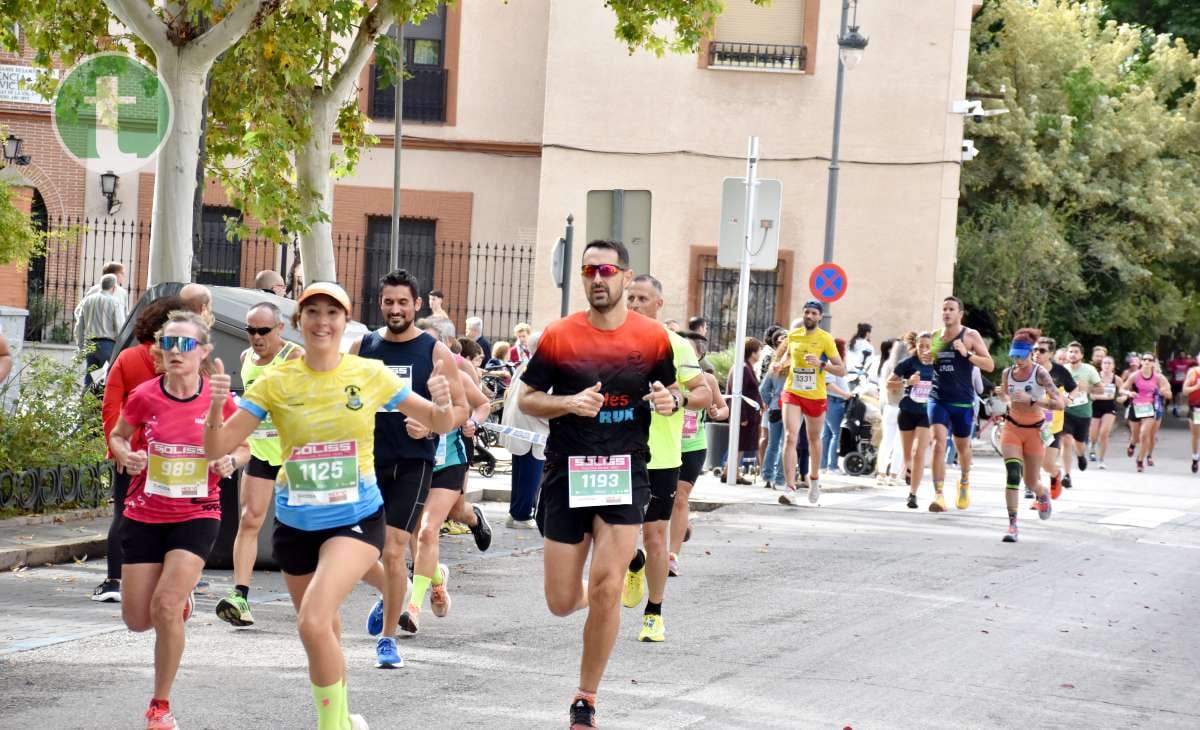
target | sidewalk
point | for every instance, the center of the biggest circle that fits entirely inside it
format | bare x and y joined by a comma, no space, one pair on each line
58,537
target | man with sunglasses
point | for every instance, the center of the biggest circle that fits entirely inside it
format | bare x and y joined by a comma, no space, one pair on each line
1078,418
1065,382
597,375
264,327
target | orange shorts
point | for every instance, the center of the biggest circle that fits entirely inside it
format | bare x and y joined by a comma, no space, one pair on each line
1028,439
811,407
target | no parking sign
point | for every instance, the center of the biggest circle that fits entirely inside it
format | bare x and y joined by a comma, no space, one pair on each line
828,282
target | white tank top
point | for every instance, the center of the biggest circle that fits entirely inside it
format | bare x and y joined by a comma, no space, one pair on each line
1030,385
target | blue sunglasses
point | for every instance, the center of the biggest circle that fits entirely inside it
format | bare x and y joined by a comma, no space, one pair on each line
180,342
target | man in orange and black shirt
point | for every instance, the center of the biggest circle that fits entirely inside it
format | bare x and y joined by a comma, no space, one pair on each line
596,375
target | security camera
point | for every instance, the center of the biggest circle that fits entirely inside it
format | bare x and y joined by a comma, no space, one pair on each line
973,108
969,150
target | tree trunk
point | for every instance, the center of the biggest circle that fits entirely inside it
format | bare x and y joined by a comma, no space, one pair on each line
175,173
313,162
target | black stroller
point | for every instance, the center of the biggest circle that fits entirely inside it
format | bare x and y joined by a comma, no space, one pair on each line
860,454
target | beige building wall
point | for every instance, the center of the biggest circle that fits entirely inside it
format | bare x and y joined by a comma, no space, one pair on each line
671,127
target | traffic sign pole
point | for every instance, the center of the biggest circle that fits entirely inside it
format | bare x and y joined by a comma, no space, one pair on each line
733,459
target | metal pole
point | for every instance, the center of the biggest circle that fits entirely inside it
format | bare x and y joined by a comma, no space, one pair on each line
566,265
733,459
831,197
398,132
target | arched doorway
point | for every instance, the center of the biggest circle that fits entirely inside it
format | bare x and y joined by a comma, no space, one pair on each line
44,310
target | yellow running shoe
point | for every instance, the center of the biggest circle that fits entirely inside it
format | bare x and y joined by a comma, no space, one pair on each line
635,587
652,629
964,495
938,504
454,527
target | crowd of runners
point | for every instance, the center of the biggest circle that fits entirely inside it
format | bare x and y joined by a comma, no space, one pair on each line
365,453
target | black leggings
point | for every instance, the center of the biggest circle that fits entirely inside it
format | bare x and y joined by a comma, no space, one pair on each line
116,555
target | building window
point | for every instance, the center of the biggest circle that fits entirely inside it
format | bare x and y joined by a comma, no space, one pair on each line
622,215
424,60
719,296
418,256
763,38
217,258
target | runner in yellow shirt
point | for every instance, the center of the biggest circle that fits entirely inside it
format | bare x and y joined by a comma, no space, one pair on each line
811,352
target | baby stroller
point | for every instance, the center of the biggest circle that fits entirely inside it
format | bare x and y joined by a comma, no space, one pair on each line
494,387
857,431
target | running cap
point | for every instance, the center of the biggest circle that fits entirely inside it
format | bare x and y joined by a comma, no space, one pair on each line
814,304
326,288
1020,349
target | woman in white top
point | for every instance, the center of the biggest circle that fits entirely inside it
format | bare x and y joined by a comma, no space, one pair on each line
890,461
858,352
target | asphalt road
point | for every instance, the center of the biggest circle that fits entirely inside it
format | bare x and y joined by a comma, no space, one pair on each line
859,613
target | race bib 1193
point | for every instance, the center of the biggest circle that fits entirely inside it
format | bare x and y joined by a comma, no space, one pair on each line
599,481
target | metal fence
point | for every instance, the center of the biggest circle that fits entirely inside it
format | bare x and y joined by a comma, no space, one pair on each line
719,295
757,55
493,281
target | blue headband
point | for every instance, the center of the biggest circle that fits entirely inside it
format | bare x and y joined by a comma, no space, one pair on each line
1020,349
814,304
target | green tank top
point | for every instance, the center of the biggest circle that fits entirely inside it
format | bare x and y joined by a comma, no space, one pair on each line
264,442
697,441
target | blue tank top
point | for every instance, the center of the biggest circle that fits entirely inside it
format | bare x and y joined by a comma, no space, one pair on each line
952,373
413,362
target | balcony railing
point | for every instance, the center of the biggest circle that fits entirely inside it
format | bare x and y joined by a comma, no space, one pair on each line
424,96
756,56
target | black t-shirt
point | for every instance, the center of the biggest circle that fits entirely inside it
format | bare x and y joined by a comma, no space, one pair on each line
412,362
572,356
904,371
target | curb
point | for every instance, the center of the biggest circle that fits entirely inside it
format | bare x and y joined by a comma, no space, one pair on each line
46,518
92,547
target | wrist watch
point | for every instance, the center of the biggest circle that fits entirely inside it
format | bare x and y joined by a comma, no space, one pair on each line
675,398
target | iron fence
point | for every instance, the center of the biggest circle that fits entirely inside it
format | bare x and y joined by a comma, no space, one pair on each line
719,294
757,55
493,281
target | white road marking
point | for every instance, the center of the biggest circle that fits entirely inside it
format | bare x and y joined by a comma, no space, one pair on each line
1143,517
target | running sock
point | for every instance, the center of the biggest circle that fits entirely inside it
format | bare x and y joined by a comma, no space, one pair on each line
937,487
438,577
638,562
243,591
420,587
581,694
164,704
653,609
331,706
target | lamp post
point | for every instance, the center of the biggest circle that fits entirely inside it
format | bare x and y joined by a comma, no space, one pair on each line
108,188
851,45
12,151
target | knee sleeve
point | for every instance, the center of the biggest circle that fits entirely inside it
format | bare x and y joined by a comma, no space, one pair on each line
1014,467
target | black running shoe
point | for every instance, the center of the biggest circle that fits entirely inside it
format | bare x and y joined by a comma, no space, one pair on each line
1082,461
1195,465
481,530
1066,481
1028,494
583,714
912,501
110,590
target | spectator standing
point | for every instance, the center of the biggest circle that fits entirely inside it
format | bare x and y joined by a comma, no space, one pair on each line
858,351
436,299
520,352
839,394
271,282
117,269
699,325
98,324
771,389
197,298
752,403
475,332
528,459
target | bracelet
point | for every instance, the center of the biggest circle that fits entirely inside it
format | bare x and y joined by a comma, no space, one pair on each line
211,426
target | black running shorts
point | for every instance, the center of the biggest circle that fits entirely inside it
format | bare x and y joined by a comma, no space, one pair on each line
910,421
1077,427
663,483
404,486
693,464
145,542
1102,408
297,551
558,522
260,469
452,478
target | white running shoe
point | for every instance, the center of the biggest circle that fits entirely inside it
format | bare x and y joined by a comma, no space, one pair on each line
358,723
1101,465
814,491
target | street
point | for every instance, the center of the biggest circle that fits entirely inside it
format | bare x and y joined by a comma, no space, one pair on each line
859,613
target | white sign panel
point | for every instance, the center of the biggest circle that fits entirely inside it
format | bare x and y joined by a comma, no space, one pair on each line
764,236
12,89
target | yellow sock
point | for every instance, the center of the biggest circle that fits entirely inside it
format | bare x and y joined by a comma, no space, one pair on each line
438,578
331,707
420,588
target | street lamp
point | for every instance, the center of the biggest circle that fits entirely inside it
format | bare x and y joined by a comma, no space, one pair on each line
851,45
108,187
12,151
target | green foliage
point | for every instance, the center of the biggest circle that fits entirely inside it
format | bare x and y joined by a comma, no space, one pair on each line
666,25
1079,215
1174,17
722,363
19,241
53,422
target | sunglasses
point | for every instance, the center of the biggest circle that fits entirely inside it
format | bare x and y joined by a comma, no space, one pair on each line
1147,359
605,270
1041,350
177,342
260,331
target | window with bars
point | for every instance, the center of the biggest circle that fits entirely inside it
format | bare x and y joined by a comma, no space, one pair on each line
418,253
218,259
753,36
424,61
718,301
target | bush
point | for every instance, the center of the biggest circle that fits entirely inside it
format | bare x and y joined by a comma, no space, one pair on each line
53,422
722,363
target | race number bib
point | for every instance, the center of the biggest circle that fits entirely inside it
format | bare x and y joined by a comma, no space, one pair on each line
804,380
439,455
1047,437
599,481
178,471
1143,410
404,372
265,430
1110,391
1078,400
691,423
920,392
1196,416
322,474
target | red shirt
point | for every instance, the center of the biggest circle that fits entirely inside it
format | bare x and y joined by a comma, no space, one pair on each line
171,427
133,367
1179,368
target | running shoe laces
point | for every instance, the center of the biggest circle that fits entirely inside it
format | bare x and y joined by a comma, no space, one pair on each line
583,714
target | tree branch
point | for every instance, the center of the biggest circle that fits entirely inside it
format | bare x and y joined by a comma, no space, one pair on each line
140,18
377,21
232,27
